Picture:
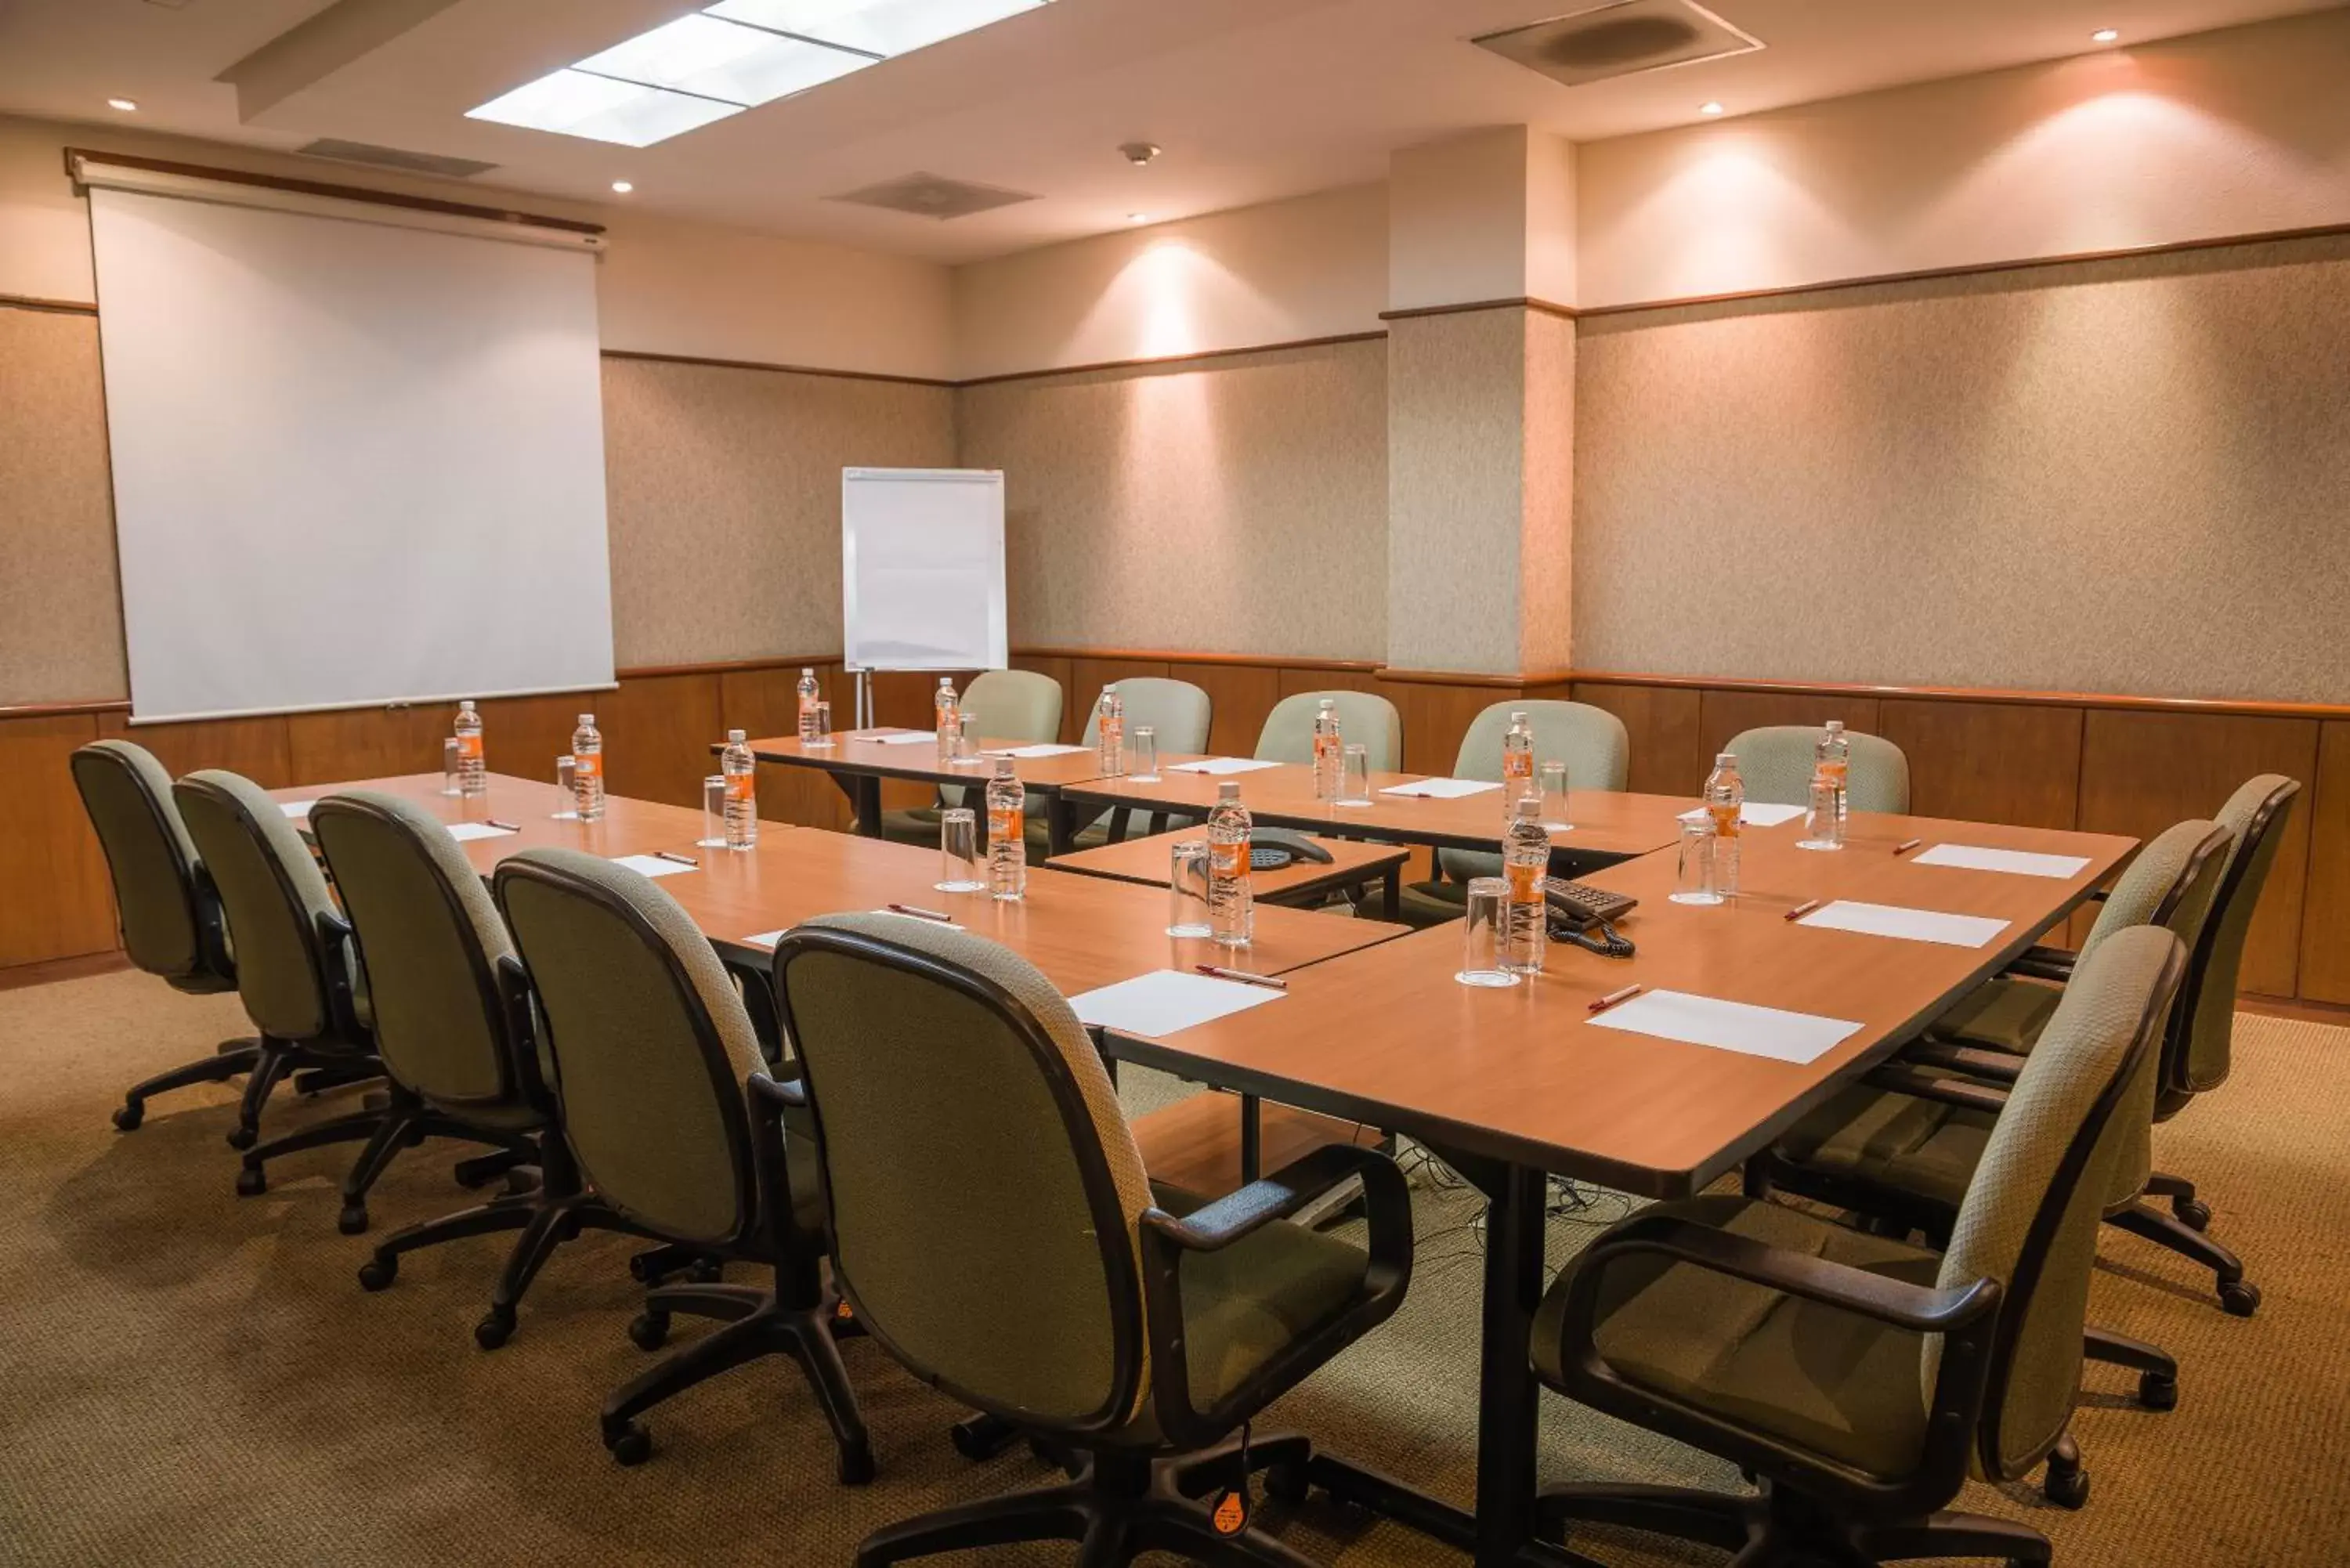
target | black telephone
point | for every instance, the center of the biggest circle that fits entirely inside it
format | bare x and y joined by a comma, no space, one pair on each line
1271,848
1576,907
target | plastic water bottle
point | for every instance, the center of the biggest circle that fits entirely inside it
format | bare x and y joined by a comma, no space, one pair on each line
1007,833
1110,730
1232,910
1525,861
1831,766
587,770
1517,768
810,694
1725,798
1831,760
473,772
946,719
741,771
1330,750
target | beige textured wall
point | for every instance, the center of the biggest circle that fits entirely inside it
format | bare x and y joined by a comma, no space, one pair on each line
1232,505
1546,540
722,493
2128,476
60,604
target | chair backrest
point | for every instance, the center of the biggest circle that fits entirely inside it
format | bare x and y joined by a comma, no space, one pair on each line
650,1043
274,899
1177,709
1012,705
432,940
1590,740
1775,761
1365,719
2256,815
986,1191
2032,1211
150,857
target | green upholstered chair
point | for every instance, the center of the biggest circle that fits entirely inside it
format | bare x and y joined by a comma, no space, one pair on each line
1365,719
1590,740
1860,1379
168,913
1903,1146
295,970
998,705
675,1125
1775,761
1176,711
995,1230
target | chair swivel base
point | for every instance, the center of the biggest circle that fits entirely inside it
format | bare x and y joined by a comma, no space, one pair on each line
1119,1507
403,1123
1776,1527
758,1323
231,1059
2239,1297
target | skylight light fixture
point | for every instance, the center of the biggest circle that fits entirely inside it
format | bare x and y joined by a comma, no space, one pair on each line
727,57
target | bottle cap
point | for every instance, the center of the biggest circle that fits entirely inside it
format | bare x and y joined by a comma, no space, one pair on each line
734,737
464,707
1518,716
1003,767
1833,726
1330,702
1727,759
587,717
807,670
1228,790
1529,807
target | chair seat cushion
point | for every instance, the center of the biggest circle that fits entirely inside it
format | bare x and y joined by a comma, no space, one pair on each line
2007,1015
1826,1380
1245,1304
1920,1147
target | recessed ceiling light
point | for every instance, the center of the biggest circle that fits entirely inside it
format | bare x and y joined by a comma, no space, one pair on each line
2104,35
1138,217
126,105
1709,106
622,187
1138,153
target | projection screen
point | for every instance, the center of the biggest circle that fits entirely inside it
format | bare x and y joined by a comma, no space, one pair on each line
355,462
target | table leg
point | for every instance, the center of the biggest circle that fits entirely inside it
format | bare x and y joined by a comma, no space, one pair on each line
865,793
1060,825
1393,893
1252,1138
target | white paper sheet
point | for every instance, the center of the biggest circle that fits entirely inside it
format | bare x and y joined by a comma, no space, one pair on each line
1044,748
1910,925
1441,789
765,938
910,738
1754,814
1221,765
652,864
1783,1036
2021,863
1165,1001
464,830
297,808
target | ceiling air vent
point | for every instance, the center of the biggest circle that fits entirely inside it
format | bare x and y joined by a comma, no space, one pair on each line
1620,40
395,157
933,196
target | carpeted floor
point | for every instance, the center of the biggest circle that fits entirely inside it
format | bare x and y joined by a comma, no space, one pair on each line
186,1377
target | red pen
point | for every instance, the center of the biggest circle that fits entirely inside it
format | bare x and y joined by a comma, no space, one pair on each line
1243,976
1906,845
921,914
1805,908
1602,1004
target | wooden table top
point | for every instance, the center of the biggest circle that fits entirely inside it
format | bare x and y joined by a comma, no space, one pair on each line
1387,1036
1606,822
627,827
858,751
1147,860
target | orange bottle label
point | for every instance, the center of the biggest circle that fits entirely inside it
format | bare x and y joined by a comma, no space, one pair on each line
1834,773
1525,884
1005,823
1231,860
1725,820
587,767
741,788
1517,764
469,747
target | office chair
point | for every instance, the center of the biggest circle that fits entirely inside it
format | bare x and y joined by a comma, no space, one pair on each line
168,913
1177,710
1365,719
999,705
1590,740
995,1230
1857,1378
296,972
676,1127
1775,761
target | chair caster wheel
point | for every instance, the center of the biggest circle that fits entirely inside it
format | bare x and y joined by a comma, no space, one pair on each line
379,1272
2066,1488
630,1444
855,1466
497,1326
2192,1213
1286,1483
2158,1391
242,1138
649,1330
128,1116
252,1182
2240,1298
706,1272
353,1220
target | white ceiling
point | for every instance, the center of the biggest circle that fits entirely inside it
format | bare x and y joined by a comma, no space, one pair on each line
1253,99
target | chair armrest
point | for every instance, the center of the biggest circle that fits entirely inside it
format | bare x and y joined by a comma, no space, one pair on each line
521,1032
1904,1078
1994,1066
771,1103
2042,962
335,941
1260,1202
781,1093
1918,1308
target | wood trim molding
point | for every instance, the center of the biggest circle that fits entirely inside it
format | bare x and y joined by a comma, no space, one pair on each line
63,710
726,666
328,189
781,370
1470,678
2238,707
1524,302
1167,361
59,306
1155,655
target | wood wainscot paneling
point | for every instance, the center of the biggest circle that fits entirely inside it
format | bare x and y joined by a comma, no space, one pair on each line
1667,753
1239,698
765,699
1724,713
372,742
524,736
59,903
1436,711
1989,761
2143,771
2325,914
253,747
1295,680
656,734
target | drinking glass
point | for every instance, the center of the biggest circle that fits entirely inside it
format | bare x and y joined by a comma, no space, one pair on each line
960,870
1694,883
1187,888
1552,779
820,730
563,781
1482,936
449,781
1354,776
1823,824
713,813
1145,766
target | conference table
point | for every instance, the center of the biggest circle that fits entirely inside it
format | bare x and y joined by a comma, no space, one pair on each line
1351,864
858,761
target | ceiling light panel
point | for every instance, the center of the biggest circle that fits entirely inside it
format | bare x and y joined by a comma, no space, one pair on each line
877,27
714,58
574,103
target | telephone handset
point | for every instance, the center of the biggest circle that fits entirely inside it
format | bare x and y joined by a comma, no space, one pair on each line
1271,848
1576,908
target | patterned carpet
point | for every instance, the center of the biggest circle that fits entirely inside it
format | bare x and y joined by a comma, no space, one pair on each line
188,1377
